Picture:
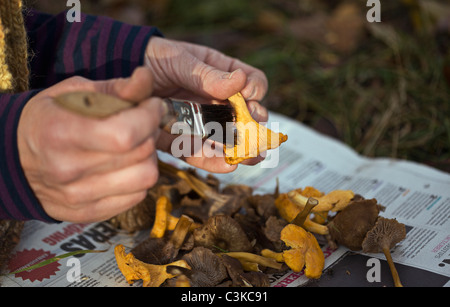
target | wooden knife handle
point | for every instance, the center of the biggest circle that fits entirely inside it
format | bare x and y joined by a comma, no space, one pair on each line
92,104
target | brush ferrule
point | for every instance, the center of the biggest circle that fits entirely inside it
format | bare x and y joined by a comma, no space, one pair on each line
187,116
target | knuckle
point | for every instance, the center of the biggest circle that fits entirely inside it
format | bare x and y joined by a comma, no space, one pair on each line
146,149
73,197
123,140
61,172
75,81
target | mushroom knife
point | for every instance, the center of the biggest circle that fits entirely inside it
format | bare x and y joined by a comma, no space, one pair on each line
183,116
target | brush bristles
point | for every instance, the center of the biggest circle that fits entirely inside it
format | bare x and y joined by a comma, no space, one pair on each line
221,114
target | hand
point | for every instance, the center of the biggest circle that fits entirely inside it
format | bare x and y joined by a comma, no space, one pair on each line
83,169
203,74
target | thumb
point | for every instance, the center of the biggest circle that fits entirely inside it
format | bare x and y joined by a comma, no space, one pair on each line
136,88
209,81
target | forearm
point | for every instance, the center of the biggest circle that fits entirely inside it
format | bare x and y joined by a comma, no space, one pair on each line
97,48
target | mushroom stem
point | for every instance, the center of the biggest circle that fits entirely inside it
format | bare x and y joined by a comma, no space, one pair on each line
271,254
300,219
315,227
249,257
198,186
394,272
180,231
297,198
163,207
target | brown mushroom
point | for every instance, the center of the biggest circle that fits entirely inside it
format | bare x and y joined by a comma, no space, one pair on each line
10,232
272,230
263,204
240,278
160,250
381,238
207,269
218,202
349,226
139,217
223,232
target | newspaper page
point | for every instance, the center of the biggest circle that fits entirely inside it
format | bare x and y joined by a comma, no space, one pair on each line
414,194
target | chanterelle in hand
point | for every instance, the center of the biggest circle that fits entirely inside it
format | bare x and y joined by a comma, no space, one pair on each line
251,137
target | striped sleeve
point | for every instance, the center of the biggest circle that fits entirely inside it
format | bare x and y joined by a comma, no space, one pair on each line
97,48
17,200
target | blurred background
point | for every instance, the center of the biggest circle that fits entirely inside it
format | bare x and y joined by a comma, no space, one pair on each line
382,88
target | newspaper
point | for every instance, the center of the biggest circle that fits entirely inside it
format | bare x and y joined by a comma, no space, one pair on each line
414,194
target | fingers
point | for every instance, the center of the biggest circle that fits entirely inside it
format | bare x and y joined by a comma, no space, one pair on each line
258,112
101,210
134,178
119,133
209,155
101,195
202,70
137,87
256,84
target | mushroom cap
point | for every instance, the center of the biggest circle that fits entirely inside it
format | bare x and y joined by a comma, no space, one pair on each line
305,251
350,226
150,250
207,269
385,234
152,275
224,232
139,217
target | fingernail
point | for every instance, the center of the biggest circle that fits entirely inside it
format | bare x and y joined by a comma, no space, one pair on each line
258,112
252,94
229,75
252,111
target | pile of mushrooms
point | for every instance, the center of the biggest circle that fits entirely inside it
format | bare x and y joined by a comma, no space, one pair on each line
356,223
201,235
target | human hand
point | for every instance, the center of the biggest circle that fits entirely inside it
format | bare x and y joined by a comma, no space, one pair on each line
83,169
203,74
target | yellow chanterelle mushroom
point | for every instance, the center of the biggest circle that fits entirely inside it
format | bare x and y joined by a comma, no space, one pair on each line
152,275
251,137
304,251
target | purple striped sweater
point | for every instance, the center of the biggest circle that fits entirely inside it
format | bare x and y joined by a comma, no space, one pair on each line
97,48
